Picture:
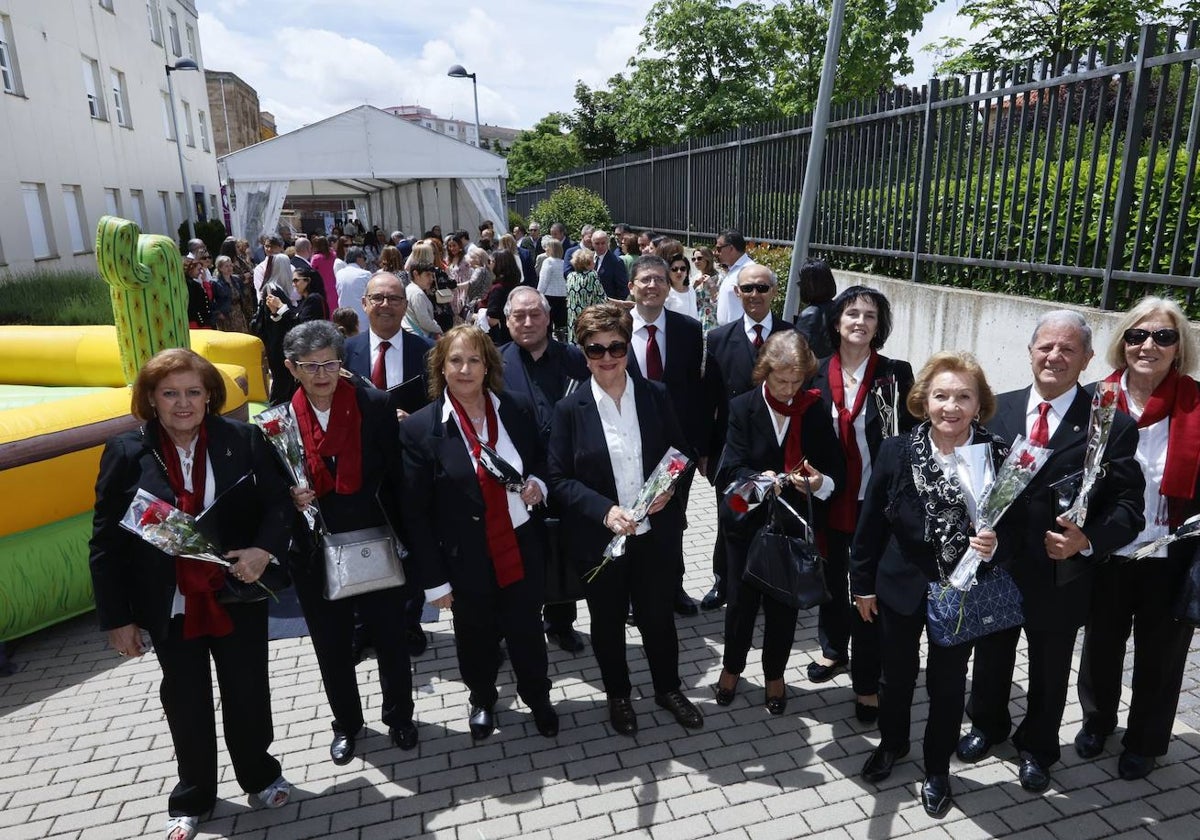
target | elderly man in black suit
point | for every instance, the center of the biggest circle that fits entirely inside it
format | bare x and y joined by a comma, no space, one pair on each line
1054,562
609,267
669,348
732,352
543,370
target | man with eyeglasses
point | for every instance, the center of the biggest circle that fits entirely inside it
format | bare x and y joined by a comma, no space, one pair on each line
669,348
730,251
351,282
732,353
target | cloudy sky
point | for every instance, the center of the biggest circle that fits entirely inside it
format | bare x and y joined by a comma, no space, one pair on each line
309,60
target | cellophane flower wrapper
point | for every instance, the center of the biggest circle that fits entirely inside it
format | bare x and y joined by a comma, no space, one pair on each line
743,495
670,468
279,428
1100,422
1188,530
886,394
1022,464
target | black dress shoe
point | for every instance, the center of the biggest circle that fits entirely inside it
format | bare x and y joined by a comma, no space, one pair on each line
621,716
777,704
416,641
880,762
935,795
481,722
1131,766
819,673
565,638
681,708
1034,777
342,748
714,599
1088,745
404,736
865,713
725,695
973,746
684,605
546,720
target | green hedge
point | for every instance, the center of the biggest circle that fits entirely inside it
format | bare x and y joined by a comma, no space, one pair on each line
55,298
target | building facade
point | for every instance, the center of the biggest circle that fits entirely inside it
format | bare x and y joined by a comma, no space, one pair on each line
87,130
235,112
493,137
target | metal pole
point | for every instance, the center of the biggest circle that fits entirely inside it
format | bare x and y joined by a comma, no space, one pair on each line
475,90
816,154
187,201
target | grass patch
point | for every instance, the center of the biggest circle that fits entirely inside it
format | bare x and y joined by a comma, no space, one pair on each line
55,298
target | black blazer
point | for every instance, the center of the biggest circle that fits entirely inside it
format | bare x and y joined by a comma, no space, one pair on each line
1057,594
751,448
415,350
572,368
581,473
886,367
729,372
613,275
443,509
135,582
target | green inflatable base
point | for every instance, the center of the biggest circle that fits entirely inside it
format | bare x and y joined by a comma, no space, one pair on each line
44,576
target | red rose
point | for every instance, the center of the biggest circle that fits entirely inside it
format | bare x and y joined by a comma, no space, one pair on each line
1107,397
273,427
738,504
156,514
1026,460
676,465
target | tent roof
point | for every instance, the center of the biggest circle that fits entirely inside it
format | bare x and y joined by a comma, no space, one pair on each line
360,151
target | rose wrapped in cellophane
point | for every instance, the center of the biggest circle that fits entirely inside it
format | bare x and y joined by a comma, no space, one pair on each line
886,393
1014,475
1189,529
670,468
745,494
1100,422
279,427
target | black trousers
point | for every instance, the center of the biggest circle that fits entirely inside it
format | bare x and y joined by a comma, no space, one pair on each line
1135,596
484,616
718,558
945,682
331,627
647,578
841,631
187,700
560,616
741,613
1049,676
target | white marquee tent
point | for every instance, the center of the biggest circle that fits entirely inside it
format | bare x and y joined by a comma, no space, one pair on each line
398,174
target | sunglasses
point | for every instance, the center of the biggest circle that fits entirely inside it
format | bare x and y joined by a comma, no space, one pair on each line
678,269
1163,338
759,288
617,350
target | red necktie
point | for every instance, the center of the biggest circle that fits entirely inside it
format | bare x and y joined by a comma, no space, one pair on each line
379,369
1040,434
654,365
758,341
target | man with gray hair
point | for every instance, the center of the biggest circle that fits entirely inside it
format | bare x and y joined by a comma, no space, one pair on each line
610,268
1050,557
352,282
585,241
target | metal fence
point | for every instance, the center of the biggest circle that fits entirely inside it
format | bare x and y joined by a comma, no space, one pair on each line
1075,178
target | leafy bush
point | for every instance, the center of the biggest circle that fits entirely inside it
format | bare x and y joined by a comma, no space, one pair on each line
574,207
514,219
55,298
210,230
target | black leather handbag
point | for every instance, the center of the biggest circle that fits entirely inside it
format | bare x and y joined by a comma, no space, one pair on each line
954,617
1187,603
784,567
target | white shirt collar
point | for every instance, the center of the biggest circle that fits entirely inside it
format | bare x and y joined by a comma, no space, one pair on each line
741,262
749,324
394,341
600,395
448,407
1058,405
660,321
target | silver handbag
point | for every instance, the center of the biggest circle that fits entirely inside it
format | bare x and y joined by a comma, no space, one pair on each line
362,561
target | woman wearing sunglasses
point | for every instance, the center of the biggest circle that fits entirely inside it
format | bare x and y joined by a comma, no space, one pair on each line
605,440
1152,353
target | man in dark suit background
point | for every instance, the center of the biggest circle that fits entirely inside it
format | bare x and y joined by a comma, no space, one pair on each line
532,241
544,370
610,268
302,261
732,353
1052,559
585,241
669,348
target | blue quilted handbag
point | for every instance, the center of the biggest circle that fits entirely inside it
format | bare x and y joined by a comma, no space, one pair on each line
991,605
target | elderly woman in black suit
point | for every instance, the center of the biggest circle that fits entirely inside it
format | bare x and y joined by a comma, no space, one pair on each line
920,478
189,456
849,380
351,446
481,543
605,440
776,428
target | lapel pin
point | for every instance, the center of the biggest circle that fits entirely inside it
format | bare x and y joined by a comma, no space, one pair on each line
229,452
1077,428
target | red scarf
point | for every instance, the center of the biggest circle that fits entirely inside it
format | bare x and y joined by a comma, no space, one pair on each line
793,450
501,537
1175,397
342,441
198,581
843,512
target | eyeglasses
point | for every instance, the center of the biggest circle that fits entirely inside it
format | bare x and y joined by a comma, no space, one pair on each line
678,269
755,288
311,368
617,350
1163,338
380,300
720,248
650,280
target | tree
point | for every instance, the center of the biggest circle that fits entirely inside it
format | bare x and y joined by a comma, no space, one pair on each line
574,207
543,149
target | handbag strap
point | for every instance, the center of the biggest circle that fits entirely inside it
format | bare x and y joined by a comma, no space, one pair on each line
808,523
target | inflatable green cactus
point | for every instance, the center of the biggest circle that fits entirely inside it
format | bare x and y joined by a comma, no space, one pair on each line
149,296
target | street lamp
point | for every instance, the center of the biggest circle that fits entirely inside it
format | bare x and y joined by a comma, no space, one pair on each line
182,64
460,72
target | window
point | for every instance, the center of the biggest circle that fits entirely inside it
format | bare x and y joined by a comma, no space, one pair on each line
164,202
10,79
173,31
188,136
112,201
91,84
191,42
155,17
73,204
138,208
203,130
168,121
36,213
120,99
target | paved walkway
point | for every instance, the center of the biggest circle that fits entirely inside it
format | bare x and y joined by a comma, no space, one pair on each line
85,753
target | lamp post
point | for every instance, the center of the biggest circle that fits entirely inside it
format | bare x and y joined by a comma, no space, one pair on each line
460,72
182,64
